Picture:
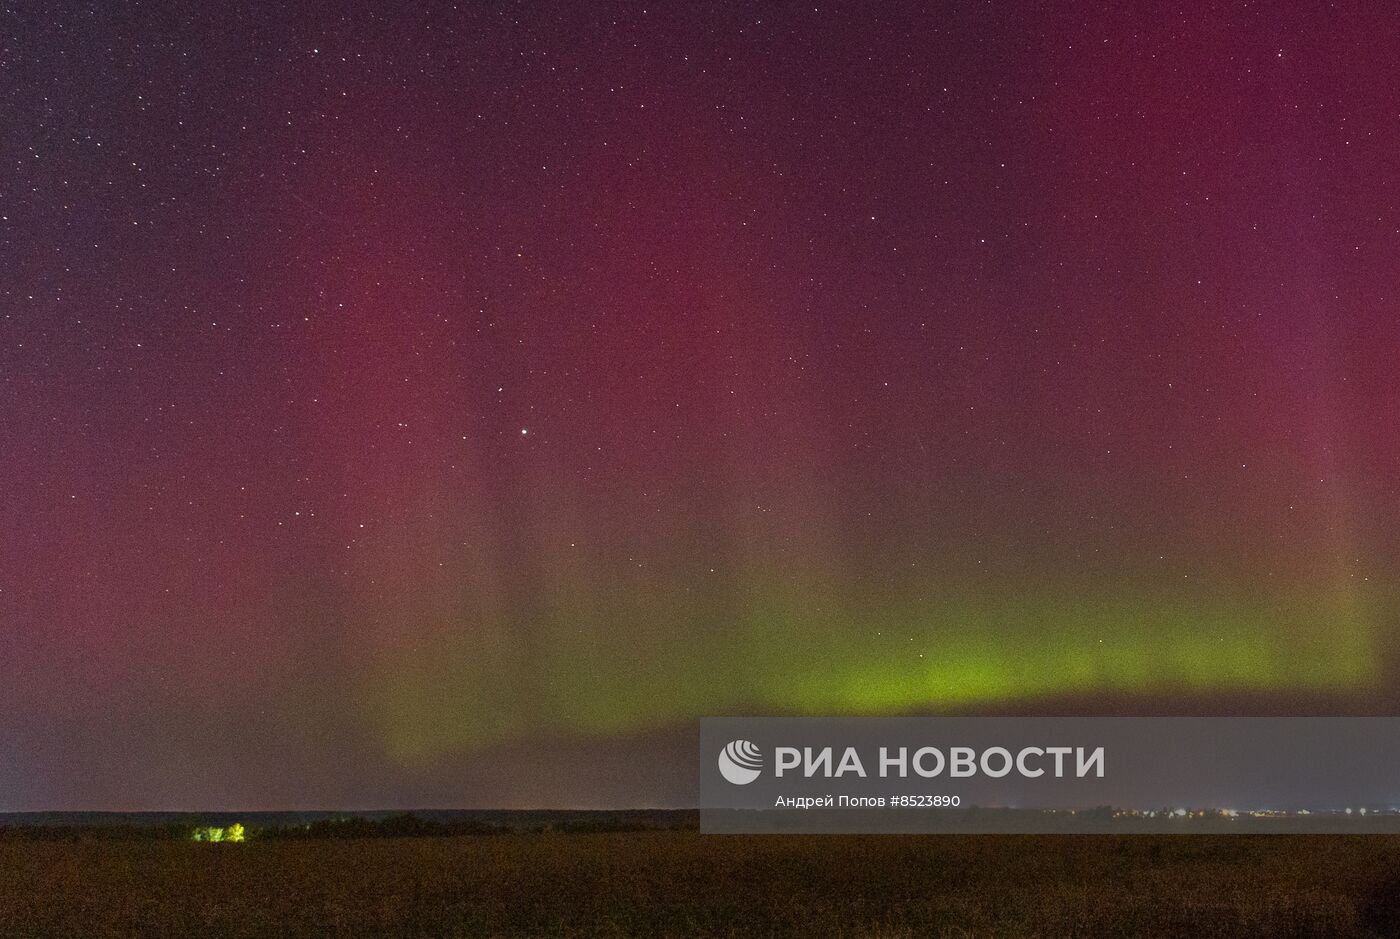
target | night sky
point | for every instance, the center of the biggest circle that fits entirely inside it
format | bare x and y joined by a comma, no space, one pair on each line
424,405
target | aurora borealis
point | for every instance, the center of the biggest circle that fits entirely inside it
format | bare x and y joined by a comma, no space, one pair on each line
392,396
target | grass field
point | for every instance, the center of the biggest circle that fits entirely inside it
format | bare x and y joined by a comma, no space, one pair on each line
687,884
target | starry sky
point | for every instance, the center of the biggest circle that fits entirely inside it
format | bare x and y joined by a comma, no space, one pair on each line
427,404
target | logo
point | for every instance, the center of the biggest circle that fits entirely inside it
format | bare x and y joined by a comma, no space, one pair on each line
740,762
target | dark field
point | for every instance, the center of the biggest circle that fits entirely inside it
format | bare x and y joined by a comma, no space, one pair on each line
662,883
